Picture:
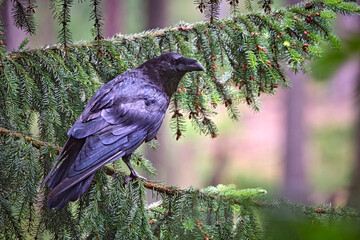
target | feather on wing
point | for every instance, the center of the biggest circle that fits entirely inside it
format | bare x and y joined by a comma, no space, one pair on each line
123,113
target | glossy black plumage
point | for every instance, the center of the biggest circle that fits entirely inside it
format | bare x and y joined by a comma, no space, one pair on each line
123,114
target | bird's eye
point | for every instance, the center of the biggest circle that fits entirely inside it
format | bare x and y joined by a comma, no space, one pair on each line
174,61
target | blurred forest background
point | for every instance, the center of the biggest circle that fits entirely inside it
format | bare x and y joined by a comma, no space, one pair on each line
301,145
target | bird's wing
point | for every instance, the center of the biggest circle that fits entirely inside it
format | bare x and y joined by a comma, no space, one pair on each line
123,113
74,145
118,119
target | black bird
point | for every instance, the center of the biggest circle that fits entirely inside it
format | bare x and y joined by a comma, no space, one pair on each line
123,114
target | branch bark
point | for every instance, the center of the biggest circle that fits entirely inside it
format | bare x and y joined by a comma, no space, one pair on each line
109,171
158,187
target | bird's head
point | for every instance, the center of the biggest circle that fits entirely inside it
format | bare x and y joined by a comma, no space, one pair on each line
175,62
170,68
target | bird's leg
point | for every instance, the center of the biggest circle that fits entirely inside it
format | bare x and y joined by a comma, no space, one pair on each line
133,173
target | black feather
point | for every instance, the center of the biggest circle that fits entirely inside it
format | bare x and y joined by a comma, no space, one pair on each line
123,114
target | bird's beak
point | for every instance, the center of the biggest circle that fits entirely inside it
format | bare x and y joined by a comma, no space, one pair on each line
192,65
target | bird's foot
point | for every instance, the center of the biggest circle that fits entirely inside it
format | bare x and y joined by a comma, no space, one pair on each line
132,176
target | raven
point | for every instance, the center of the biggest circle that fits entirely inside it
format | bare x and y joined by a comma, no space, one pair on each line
124,113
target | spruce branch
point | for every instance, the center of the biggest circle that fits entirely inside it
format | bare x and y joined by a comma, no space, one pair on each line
23,15
266,5
235,3
276,16
250,48
171,191
96,15
15,225
109,210
64,19
36,143
213,7
109,171
244,56
117,38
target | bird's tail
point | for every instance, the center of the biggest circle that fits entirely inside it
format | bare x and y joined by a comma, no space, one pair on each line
71,188
64,186
58,199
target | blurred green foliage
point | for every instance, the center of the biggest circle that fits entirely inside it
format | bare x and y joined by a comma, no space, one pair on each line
334,151
286,225
332,59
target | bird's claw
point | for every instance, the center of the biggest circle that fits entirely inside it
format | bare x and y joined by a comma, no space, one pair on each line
133,176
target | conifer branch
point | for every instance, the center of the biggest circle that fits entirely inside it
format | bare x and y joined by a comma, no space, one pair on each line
108,170
117,211
234,6
64,20
149,184
250,48
116,38
96,15
36,143
23,16
243,56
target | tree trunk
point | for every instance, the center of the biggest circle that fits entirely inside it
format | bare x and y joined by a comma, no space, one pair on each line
354,194
114,17
295,186
156,13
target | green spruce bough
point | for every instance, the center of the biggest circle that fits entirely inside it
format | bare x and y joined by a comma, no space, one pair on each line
244,57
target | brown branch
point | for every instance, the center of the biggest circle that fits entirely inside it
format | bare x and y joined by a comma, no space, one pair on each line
148,184
108,170
36,143
155,186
